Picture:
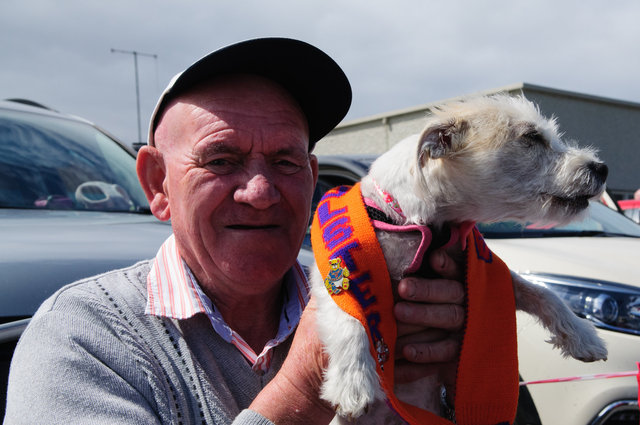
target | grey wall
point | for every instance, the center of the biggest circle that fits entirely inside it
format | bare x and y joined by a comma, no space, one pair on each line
611,126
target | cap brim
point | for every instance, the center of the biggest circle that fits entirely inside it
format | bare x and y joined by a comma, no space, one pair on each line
314,79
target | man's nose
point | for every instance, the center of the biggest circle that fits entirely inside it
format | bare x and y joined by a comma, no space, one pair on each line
259,192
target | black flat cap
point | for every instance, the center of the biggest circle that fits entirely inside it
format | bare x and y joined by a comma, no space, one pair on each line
312,78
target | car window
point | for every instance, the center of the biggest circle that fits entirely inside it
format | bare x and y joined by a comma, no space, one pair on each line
50,162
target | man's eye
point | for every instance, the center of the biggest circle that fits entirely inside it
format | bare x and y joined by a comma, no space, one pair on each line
221,166
287,167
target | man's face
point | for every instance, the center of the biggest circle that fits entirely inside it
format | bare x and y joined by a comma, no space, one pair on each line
239,181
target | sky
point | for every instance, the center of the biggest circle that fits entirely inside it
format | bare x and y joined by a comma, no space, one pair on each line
397,54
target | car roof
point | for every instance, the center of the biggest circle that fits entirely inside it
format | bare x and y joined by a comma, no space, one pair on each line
26,105
33,107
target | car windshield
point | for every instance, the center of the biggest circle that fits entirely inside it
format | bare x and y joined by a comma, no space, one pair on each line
49,162
600,221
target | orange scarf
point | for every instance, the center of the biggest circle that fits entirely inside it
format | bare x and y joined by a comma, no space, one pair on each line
487,376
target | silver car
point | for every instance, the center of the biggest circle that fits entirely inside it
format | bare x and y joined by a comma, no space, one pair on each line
593,266
70,207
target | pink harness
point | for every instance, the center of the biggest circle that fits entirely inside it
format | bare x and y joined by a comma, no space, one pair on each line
381,221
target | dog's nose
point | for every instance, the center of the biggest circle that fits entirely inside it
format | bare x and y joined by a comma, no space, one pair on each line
599,169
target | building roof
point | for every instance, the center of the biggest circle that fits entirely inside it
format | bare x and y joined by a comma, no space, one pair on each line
517,87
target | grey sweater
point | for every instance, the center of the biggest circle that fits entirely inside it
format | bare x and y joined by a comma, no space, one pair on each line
91,356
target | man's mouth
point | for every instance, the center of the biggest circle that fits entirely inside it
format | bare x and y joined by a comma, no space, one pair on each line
252,226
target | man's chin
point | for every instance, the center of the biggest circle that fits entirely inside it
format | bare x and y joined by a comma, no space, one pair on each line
265,265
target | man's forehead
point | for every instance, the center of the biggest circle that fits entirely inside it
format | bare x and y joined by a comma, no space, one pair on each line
241,89
238,103
232,111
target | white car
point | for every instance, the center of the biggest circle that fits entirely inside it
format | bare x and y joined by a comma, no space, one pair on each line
593,265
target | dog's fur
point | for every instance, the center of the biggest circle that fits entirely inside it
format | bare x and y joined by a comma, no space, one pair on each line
483,159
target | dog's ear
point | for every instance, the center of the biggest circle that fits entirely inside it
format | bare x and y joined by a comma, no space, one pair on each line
435,142
438,141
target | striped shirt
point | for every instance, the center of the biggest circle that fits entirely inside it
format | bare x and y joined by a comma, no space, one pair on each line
173,291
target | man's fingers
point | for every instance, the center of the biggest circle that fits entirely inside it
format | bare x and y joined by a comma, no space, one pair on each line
419,336
432,291
443,316
428,311
429,352
444,265
432,352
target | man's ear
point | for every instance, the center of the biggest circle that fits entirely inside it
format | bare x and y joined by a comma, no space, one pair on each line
152,173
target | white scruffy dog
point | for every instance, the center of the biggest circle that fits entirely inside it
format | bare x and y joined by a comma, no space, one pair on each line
484,159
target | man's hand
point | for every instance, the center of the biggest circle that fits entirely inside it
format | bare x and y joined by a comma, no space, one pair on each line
293,396
429,320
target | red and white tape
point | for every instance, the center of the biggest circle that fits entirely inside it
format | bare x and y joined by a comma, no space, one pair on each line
582,378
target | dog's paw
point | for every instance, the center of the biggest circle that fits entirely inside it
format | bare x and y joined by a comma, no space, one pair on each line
351,397
350,381
351,390
580,341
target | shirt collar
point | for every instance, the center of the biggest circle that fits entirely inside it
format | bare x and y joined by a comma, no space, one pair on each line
173,292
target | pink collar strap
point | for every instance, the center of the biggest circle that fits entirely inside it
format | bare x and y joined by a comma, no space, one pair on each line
381,221
388,199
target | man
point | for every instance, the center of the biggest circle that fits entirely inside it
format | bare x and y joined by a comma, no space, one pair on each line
204,333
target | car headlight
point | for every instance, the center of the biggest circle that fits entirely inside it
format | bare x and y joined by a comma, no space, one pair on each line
608,305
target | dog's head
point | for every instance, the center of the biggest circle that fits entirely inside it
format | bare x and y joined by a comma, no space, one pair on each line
497,158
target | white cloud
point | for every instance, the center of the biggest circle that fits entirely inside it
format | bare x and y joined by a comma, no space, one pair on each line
397,54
